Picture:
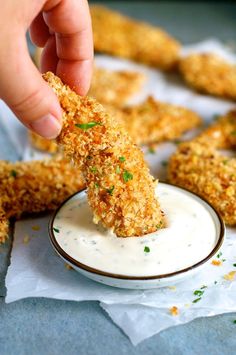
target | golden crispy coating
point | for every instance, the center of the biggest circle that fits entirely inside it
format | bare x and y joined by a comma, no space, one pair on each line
42,144
221,134
121,36
114,87
154,122
120,188
4,226
200,167
209,73
29,187
149,122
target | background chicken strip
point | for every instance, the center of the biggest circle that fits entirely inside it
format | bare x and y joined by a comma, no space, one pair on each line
209,73
201,167
35,186
122,36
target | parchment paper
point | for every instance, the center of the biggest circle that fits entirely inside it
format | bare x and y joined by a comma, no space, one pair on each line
36,270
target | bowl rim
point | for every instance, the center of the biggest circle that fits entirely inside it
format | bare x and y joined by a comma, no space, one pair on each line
106,274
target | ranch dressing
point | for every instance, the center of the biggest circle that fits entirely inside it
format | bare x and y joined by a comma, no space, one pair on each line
189,237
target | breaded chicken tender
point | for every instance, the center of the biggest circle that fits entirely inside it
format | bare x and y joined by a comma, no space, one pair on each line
201,167
122,36
154,122
210,74
121,191
115,87
37,186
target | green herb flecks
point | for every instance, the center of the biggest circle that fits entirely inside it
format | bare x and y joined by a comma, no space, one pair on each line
216,117
56,230
219,255
197,300
164,163
234,265
86,126
146,249
14,173
151,150
122,159
127,176
93,169
117,169
110,191
225,162
159,225
203,287
233,133
234,321
96,185
177,141
198,292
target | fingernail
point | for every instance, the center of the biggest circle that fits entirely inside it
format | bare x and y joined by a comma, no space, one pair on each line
47,126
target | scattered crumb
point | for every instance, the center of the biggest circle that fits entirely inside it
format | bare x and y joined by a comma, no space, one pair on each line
216,262
68,267
174,311
187,305
172,288
26,239
36,227
230,276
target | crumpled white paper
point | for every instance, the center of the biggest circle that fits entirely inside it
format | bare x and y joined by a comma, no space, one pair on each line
36,270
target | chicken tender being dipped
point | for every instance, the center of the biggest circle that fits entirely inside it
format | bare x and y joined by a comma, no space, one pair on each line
121,191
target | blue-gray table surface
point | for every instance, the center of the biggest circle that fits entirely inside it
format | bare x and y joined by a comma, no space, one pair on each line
45,326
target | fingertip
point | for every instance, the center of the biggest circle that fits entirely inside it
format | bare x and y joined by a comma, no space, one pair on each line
47,126
76,74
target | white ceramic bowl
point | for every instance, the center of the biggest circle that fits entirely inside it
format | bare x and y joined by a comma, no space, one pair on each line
126,280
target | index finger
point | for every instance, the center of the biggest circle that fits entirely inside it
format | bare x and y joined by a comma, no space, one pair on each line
70,21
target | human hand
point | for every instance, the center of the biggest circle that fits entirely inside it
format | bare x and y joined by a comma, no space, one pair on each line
63,28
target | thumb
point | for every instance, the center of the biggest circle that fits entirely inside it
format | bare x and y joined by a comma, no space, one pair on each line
26,93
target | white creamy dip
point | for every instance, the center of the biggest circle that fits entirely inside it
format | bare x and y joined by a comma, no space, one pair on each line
189,237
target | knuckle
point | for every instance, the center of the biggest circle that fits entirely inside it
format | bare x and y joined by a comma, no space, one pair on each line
28,103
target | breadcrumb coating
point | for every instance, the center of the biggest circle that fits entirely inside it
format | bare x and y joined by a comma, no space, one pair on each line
37,186
209,73
122,36
4,226
121,191
201,167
